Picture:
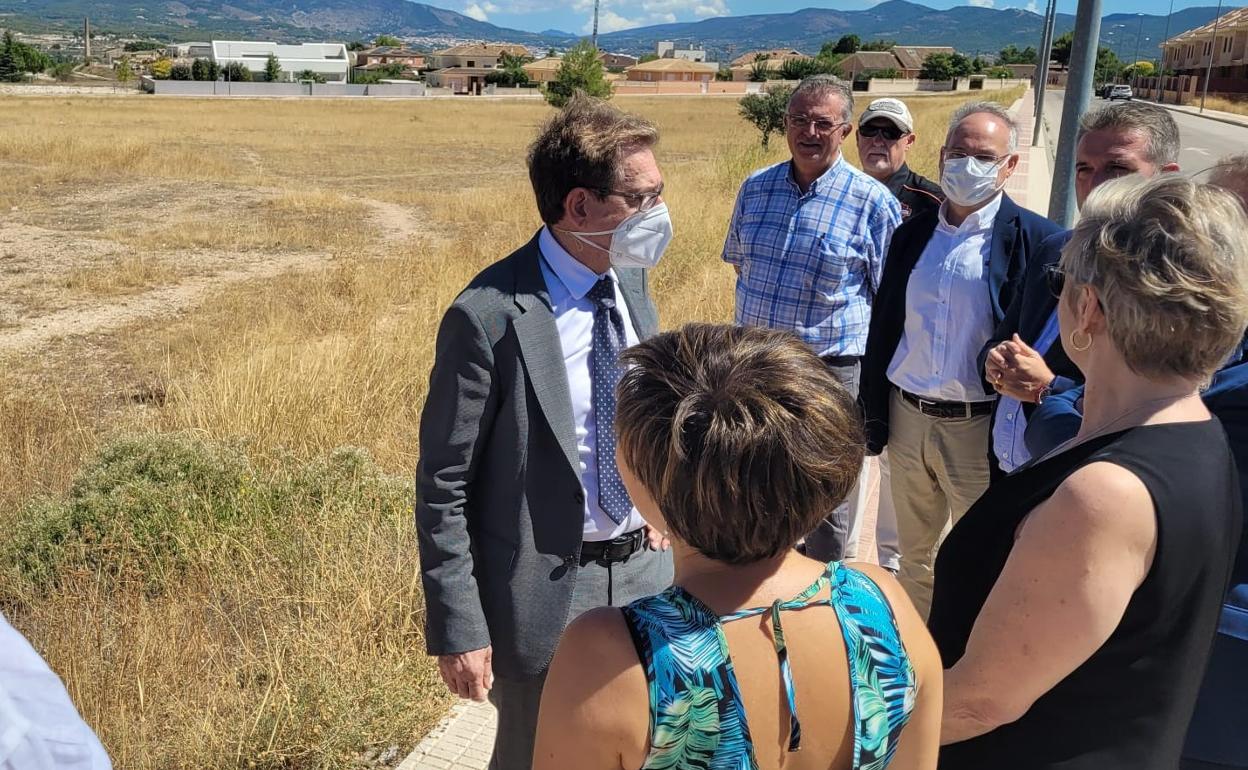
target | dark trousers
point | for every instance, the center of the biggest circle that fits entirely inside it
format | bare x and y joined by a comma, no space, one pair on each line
827,542
1216,737
644,574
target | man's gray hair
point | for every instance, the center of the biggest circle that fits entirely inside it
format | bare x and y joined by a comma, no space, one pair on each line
1150,120
1232,168
822,86
991,108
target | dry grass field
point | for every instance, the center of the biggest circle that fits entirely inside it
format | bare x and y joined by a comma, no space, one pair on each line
216,325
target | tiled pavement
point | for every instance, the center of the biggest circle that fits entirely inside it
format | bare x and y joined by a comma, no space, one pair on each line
464,739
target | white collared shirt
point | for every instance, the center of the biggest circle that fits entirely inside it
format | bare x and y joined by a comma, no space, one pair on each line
948,312
40,728
568,281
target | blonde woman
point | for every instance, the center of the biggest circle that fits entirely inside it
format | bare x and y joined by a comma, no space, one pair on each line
1076,602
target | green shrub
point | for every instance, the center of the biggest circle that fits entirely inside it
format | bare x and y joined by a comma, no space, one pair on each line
146,508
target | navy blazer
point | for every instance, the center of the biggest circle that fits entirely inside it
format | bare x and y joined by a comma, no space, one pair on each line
1016,237
1028,316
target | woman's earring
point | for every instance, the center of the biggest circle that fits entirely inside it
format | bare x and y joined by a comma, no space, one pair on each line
1076,346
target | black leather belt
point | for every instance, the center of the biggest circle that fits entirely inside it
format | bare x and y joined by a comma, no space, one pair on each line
947,410
612,551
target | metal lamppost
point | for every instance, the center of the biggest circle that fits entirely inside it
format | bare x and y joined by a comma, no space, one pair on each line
594,39
1078,94
1139,32
1042,70
1213,45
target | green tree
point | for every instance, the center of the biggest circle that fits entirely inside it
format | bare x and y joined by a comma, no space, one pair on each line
10,71
143,45
205,69
847,44
978,65
1141,69
62,71
315,77
582,71
879,45
357,45
1108,66
237,73
124,72
648,57
938,66
389,40
180,72
765,111
162,68
759,71
510,71
1061,48
1011,55
800,69
272,69
961,65
1000,72
889,72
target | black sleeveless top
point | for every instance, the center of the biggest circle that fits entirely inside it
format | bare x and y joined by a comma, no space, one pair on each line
1127,707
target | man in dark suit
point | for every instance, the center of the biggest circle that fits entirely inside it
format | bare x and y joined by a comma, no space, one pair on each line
950,276
522,517
1025,360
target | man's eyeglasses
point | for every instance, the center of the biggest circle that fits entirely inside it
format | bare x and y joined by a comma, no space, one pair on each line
890,132
991,160
803,122
643,201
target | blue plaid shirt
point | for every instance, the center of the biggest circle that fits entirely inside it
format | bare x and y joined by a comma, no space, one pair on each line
811,262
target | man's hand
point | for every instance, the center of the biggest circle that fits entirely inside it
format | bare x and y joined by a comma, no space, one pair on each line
656,540
1015,369
468,674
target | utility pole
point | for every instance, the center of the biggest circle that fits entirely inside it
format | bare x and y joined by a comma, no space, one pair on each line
1213,51
1135,71
1078,93
1042,70
86,41
1165,39
594,39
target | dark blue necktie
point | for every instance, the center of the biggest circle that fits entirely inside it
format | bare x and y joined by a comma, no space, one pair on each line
604,362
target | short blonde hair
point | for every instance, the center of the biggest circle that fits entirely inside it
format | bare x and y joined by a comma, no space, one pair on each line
1168,258
741,435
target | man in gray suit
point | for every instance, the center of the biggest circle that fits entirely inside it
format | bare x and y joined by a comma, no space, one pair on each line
523,520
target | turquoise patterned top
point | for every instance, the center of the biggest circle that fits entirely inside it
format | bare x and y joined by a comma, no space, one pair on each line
697,719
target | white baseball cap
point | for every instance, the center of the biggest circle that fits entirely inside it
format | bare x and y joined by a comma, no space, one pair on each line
892,109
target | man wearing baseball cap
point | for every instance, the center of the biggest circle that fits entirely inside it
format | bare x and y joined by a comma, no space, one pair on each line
885,135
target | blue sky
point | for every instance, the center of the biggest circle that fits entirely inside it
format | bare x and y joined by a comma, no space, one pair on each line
574,15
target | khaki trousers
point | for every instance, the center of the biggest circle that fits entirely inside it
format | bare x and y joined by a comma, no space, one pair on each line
939,468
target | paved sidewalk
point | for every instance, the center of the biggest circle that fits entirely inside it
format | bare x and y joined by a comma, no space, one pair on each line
1029,186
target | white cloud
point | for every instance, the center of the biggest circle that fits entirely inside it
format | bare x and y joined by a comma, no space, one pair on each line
477,11
981,3
610,21
1031,6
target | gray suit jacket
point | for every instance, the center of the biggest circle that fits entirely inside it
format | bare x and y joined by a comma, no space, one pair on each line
499,501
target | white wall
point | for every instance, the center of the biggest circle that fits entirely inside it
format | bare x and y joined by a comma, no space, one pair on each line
328,59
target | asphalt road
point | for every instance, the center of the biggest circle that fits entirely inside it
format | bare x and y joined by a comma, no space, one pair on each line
1204,141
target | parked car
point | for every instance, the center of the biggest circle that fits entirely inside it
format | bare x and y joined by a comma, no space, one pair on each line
1121,92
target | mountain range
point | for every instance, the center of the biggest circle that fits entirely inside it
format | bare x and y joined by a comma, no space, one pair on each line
968,28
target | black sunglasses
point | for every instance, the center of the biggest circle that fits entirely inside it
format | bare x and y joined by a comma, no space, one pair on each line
891,133
1055,278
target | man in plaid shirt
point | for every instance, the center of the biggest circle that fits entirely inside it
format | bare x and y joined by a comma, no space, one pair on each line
808,239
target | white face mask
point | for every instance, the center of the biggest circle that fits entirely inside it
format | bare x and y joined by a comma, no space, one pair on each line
638,241
969,181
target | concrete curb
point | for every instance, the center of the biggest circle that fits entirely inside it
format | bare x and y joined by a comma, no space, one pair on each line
1241,122
463,740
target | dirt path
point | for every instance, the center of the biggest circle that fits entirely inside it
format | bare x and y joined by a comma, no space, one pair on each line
165,301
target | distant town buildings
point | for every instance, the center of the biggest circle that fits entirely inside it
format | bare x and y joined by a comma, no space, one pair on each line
1224,48
668,50
329,60
616,60
672,70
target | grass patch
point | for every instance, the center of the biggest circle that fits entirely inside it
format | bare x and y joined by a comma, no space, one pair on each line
249,612
127,275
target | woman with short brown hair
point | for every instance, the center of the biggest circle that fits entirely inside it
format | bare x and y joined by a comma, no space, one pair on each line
737,442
